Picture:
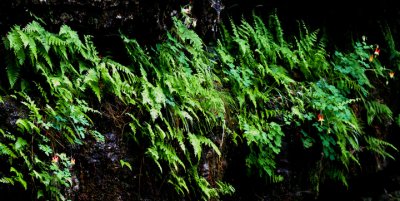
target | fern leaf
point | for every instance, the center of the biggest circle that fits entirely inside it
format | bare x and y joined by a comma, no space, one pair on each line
7,180
5,150
196,144
278,29
12,74
379,147
378,110
91,79
19,144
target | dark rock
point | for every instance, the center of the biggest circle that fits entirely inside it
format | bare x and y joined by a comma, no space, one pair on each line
10,112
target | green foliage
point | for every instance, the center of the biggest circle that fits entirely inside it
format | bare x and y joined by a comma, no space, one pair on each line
183,100
181,96
379,146
351,70
28,152
311,54
124,163
256,61
378,110
53,64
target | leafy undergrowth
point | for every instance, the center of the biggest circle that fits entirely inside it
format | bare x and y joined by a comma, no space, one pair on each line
173,116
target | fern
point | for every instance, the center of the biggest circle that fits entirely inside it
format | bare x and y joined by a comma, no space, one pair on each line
275,23
311,53
380,147
5,150
197,141
379,111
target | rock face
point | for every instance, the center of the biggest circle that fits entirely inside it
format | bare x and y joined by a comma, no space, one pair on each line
101,176
90,15
147,20
142,19
10,112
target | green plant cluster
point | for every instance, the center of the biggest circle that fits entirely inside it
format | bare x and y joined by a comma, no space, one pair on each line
184,99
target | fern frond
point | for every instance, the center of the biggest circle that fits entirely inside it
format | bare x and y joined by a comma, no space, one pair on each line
5,150
276,24
13,72
34,27
7,180
53,40
179,183
196,141
377,110
380,147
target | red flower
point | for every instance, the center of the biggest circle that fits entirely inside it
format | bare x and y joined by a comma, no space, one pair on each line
391,74
55,159
320,117
377,51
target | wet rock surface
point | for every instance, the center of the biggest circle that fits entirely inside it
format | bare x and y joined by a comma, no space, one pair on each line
101,175
10,112
146,20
